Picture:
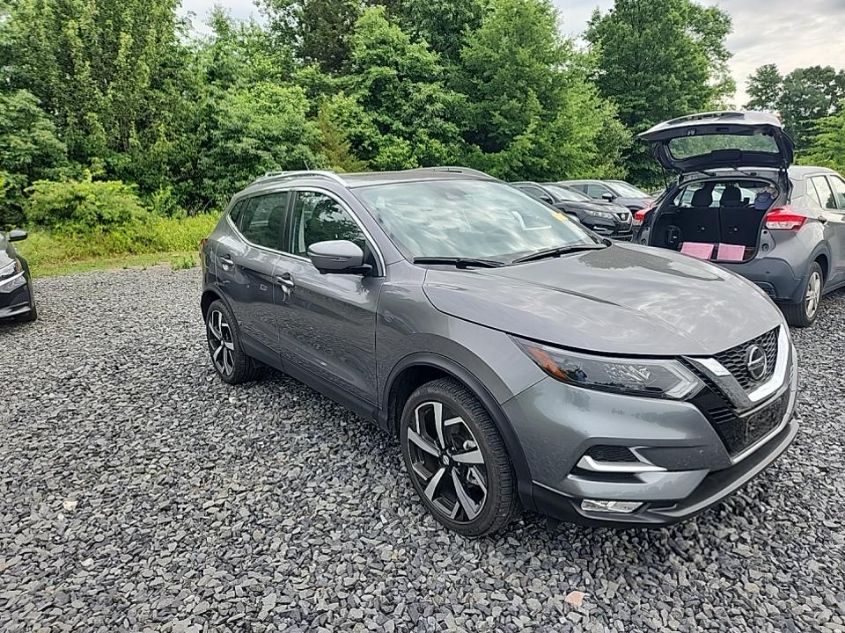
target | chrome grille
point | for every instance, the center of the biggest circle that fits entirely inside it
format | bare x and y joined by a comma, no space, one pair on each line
734,359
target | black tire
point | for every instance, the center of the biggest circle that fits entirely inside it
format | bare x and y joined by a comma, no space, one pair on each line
227,355
493,479
805,312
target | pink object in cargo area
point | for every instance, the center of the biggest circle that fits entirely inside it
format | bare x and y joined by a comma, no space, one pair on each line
731,253
701,250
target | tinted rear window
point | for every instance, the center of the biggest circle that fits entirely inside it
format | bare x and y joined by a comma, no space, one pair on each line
689,146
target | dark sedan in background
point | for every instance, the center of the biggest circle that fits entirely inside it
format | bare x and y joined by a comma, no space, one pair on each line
16,300
617,191
604,218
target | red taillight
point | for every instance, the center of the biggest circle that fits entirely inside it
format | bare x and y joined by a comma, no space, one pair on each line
203,242
639,216
785,219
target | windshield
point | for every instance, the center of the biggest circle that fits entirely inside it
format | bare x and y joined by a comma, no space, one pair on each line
568,195
628,191
689,146
469,219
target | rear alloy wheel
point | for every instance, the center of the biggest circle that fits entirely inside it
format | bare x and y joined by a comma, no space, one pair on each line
457,461
804,314
227,355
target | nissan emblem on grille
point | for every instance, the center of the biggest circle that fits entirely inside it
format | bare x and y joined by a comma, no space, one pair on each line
756,362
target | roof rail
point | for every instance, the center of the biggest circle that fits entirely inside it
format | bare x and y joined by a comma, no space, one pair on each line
304,173
455,170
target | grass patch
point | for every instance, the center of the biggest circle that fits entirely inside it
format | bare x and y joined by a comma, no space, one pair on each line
116,262
161,240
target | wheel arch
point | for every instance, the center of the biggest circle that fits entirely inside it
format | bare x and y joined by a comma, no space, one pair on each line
209,296
822,259
418,369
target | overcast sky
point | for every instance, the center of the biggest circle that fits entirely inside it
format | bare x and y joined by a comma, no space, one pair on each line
789,33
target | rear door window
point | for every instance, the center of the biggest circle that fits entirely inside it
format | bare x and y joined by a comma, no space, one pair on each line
825,193
838,191
597,191
262,221
535,192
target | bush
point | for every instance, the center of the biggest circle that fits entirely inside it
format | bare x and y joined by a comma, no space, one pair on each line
48,250
83,206
163,203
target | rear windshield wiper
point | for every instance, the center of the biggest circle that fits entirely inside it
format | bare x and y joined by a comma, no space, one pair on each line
460,262
558,251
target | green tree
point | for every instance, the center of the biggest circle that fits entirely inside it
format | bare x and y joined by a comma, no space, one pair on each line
241,53
102,68
248,131
808,95
400,96
765,87
826,147
29,149
320,30
531,113
659,59
443,24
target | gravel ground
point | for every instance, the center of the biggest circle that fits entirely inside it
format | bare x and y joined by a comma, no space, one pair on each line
138,492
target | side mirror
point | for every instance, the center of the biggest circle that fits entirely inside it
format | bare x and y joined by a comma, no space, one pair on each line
547,199
340,257
16,235
608,196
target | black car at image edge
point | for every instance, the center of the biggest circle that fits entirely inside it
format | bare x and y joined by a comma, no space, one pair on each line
16,297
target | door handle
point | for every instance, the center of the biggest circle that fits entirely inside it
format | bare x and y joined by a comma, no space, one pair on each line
286,281
227,262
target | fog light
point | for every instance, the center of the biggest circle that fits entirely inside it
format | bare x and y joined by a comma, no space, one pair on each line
622,507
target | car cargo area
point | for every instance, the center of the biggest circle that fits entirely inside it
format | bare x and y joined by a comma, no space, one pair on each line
718,221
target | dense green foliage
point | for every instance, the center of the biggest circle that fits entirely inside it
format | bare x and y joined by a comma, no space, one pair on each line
826,147
657,60
802,97
116,113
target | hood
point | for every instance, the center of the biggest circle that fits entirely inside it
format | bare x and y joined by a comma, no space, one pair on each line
624,299
718,140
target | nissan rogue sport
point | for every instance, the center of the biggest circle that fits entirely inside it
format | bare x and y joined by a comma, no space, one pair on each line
522,361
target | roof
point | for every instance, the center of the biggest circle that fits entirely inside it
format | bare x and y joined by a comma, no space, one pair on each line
801,171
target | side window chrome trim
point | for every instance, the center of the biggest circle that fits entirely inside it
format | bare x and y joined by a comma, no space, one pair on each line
345,207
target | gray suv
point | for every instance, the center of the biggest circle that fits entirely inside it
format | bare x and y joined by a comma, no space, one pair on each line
523,361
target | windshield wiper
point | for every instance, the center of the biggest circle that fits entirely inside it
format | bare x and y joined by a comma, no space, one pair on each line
558,251
460,262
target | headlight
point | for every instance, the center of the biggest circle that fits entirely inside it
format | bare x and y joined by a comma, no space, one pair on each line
602,214
13,268
631,376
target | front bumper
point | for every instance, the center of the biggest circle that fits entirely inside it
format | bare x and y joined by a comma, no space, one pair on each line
614,229
558,424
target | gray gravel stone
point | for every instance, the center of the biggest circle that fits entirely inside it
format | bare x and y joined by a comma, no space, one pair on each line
140,493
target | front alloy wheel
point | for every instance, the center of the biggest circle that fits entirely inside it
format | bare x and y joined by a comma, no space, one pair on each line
457,460
446,461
